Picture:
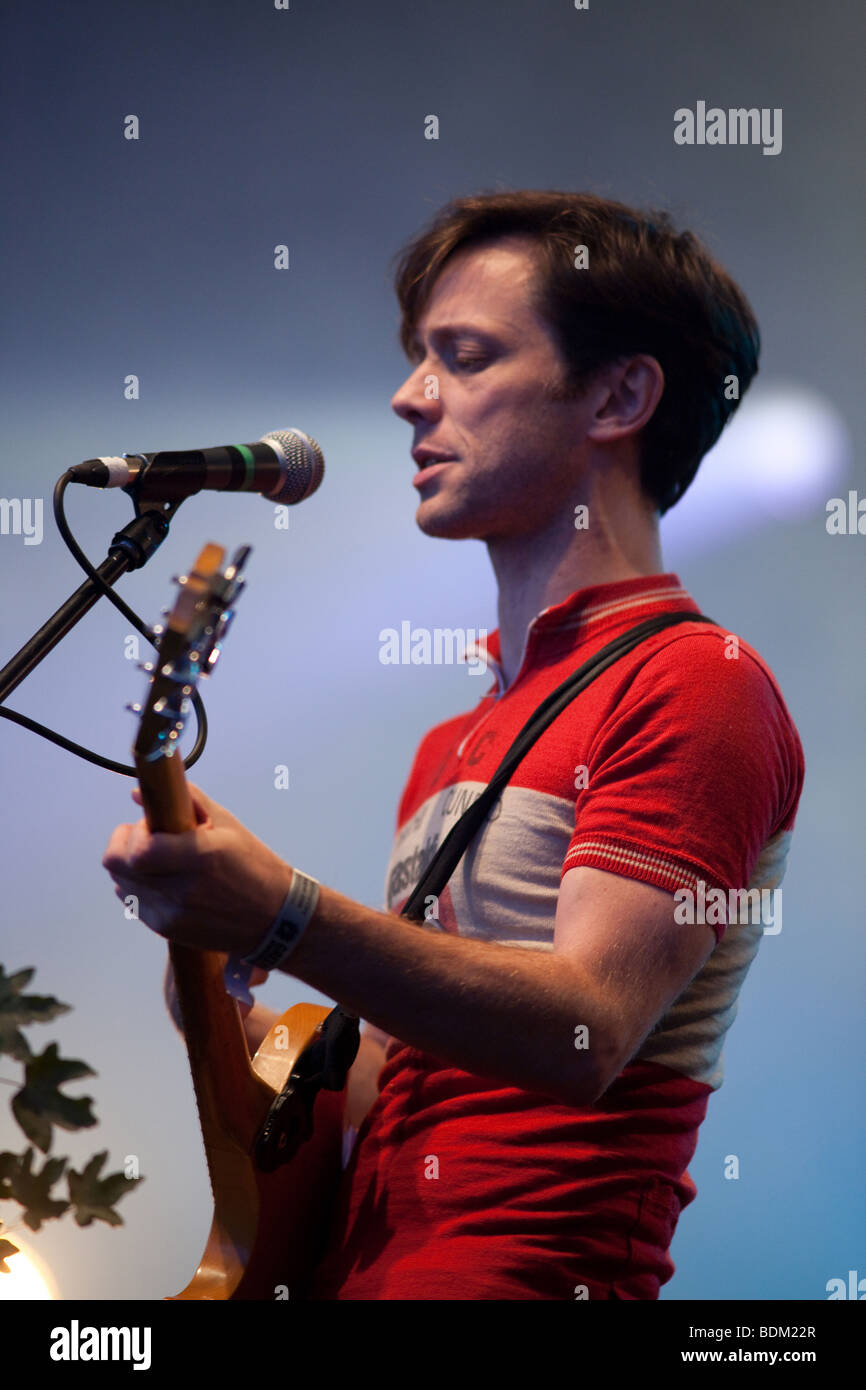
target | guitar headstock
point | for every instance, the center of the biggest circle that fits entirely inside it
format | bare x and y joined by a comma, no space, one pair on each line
189,645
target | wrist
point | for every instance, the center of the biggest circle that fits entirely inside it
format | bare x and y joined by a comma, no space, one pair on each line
290,920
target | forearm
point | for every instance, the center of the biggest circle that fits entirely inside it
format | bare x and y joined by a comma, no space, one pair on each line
505,1013
502,1012
563,1023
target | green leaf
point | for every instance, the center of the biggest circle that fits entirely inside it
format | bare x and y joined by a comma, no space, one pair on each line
40,1104
32,1189
6,1249
94,1197
17,1009
8,1166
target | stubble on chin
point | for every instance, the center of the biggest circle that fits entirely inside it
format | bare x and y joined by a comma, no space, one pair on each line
449,525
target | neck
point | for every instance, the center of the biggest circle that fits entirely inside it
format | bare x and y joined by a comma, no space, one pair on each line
533,572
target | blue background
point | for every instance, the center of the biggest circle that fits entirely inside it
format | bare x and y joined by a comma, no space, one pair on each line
155,257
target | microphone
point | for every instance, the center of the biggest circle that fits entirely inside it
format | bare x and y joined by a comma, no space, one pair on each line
285,466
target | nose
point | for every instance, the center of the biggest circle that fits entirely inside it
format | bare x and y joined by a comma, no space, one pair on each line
418,398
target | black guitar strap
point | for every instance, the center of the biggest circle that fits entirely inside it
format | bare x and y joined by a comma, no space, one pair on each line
447,857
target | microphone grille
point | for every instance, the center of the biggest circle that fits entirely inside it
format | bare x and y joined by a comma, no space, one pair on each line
303,465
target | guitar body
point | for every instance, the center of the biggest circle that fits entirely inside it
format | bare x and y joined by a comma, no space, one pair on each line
268,1226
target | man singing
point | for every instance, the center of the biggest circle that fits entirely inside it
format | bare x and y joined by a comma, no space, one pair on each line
539,1055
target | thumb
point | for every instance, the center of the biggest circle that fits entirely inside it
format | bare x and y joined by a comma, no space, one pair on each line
208,810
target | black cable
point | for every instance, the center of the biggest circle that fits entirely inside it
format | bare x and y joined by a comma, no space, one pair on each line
125,769
90,570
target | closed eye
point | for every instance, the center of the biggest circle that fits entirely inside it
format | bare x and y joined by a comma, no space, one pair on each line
470,363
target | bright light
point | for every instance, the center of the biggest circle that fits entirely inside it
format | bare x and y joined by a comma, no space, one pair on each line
28,1278
785,453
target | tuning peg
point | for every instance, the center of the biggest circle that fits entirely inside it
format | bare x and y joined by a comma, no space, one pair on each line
180,579
134,709
158,629
239,559
144,666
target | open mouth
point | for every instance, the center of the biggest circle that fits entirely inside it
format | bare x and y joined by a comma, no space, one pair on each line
425,460
428,469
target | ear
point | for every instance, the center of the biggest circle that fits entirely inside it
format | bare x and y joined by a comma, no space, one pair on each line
634,388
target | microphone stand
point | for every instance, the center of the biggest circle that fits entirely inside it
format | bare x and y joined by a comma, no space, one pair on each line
130,549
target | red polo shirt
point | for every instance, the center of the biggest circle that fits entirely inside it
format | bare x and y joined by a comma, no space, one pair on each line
680,766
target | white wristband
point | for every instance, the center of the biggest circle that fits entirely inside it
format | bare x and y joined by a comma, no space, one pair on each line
293,916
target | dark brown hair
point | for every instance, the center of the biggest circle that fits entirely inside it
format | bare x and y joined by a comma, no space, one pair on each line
647,289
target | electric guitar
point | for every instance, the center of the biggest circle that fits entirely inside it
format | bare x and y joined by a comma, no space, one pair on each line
271,1124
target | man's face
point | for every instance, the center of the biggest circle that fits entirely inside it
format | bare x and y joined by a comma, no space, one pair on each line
513,453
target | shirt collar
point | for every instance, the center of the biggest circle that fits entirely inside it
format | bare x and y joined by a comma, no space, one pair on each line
585,610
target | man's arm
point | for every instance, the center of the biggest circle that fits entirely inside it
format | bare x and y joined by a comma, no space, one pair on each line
618,962
517,1015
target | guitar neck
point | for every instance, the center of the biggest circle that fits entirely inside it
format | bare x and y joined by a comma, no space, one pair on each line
228,1093
273,1182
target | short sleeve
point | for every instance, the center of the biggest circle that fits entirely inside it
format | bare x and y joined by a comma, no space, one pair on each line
697,769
